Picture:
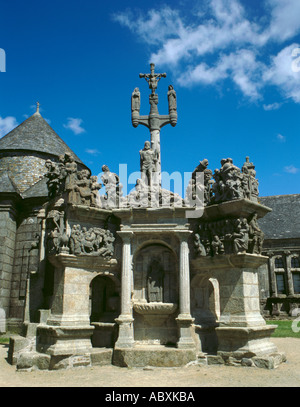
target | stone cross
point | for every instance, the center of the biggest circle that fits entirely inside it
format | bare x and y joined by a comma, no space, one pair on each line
154,121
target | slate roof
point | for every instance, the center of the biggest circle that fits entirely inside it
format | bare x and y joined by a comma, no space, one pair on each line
6,183
39,189
35,134
284,220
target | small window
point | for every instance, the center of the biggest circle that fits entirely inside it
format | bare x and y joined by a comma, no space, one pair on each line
279,263
280,283
295,263
296,281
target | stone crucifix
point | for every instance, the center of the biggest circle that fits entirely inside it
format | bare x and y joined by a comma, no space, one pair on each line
154,121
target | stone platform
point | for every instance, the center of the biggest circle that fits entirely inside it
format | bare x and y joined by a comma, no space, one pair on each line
155,355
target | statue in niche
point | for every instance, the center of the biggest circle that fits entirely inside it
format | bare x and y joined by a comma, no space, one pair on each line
172,98
136,100
256,235
148,159
155,282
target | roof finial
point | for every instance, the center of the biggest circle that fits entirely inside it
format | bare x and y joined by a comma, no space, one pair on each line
37,107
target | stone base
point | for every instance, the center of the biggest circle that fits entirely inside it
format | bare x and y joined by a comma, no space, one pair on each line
245,342
40,361
64,340
156,355
271,361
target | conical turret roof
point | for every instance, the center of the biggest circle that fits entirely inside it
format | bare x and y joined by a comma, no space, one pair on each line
35,134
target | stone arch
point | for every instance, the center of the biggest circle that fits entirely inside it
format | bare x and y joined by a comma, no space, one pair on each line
205,309
142,258
104,298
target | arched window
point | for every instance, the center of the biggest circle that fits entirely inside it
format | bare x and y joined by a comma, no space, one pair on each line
295,263
279,263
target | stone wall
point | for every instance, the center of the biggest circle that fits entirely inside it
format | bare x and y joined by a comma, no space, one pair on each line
7,247
27,230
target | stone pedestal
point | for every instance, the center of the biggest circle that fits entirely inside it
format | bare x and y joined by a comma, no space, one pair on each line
242,331
66,336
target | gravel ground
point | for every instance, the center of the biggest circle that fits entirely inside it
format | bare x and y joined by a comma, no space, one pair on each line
286,375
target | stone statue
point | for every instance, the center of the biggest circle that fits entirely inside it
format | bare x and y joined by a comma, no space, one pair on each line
155,282
71,178
256,235
217,246
57,239
153,78
113,188
53,175
172,98
148,159
95,187
83,187
240,236
199,247
136,100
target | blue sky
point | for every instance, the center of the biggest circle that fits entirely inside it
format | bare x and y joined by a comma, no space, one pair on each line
234,65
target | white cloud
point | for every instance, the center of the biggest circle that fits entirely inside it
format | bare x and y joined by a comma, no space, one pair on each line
74,124
92,151
291,169
272,106
281,138
285,21
7,124
222,42
281,74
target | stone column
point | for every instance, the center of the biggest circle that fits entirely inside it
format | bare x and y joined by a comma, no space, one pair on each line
290,285
184,319
125,320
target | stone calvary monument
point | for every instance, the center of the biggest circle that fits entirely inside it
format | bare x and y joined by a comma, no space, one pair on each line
134,280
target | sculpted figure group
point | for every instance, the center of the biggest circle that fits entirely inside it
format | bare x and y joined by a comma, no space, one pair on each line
94,241
229,236
80,187
225,184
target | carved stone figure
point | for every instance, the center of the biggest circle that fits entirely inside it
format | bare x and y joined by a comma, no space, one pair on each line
153,78
57,240
71,178
155,282
53,175
136,100
93,242
95,187
148,159
199,247
241,236
83,187
217,246
256,235
113,188
172,99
